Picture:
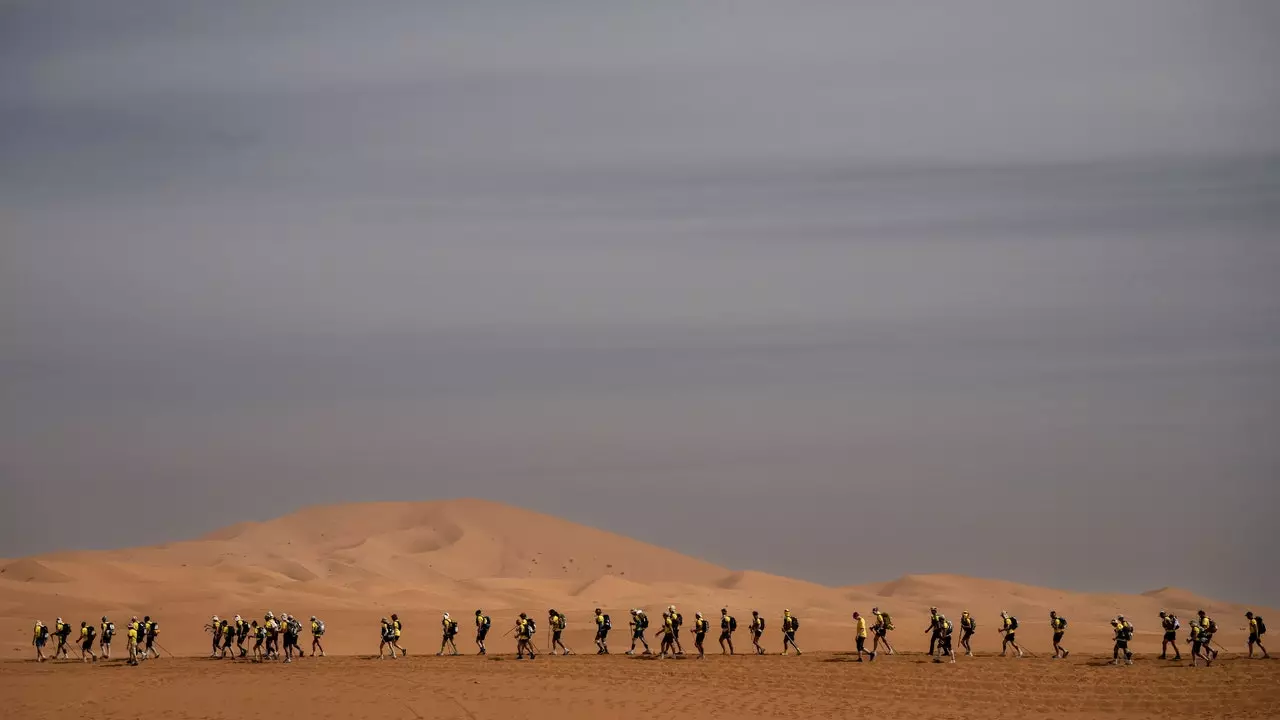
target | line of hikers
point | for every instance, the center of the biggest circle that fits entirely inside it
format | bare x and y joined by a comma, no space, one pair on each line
525,631
278,637
271,638
141,639
940,630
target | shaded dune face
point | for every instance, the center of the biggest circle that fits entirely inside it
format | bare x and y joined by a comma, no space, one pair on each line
355,563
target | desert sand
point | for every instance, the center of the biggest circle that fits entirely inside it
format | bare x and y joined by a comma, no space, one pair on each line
352,564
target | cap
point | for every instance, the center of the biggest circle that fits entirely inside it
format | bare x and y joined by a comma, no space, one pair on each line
481,612
313,617
237,617
697,615
875,609
446,616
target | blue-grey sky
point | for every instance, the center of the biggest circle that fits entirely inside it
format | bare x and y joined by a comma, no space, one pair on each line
840,290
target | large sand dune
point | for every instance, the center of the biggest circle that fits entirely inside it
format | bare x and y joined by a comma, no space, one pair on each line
354,563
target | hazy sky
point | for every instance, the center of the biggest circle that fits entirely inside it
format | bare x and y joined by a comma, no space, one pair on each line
840,290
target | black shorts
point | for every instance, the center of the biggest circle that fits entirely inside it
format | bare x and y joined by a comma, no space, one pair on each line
676,632
965,635
862,642
40,642
602,633
881,632
481,633
555,636
638,634
1122,644
726,635
1009,637
699,637
1170,636
1057,637
1254,639
106,640
791,636
87,645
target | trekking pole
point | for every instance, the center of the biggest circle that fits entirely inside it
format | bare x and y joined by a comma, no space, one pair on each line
165,649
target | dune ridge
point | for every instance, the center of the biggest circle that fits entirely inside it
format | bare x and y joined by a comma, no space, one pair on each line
356,561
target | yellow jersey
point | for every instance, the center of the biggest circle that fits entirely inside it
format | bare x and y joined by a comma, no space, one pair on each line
862,627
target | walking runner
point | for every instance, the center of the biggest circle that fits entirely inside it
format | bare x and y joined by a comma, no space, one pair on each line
728,626
1059,626
880,630
790,624
1170,623
1009,626
1257,628
757,631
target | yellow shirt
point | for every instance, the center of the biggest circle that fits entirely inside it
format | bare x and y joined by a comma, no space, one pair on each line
1253,626
133,634
862,627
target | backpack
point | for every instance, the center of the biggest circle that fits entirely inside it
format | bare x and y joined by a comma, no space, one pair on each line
608,624
1213,626
44,631
453,628
1013,623
153,629
564,621
92,631
795,623
1062,623
1177,624
65,632
677,620
761,627
531,627
642,621
109,631
947,627
733,624
1127,632
485,622
888,621
1262,627
319,627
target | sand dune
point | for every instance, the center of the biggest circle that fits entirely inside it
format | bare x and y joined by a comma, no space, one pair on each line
353,563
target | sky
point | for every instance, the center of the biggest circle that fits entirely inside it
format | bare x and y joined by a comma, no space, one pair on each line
836,290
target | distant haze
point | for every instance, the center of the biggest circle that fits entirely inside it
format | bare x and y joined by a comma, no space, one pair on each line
840,291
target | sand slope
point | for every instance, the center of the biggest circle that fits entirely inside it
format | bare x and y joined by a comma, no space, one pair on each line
353,563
